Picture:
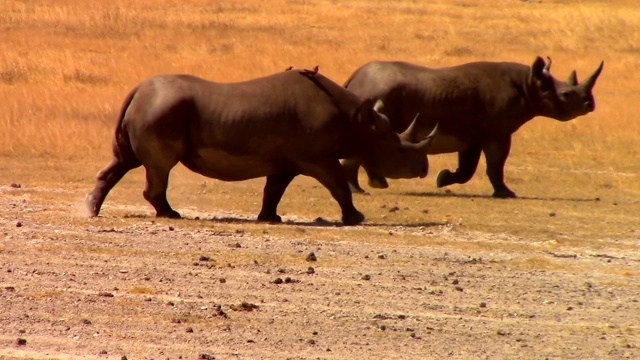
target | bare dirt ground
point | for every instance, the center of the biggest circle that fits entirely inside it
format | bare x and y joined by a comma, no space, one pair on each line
219,285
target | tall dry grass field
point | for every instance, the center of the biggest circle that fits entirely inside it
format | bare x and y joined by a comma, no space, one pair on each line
66,65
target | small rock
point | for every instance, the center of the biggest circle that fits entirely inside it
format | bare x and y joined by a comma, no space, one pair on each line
382,256
204,258
455,282
312,257
425,211
289,280
189,330
223,280
459,288
569,308
366,277
311,342
22,331
170,303
15,185
311,270
552,214
235,246
502,332
86,321
18,224
10,288
483,304
21,342
278,281
171,228
244,306
103,352
105,294
394,209
124,357
204,356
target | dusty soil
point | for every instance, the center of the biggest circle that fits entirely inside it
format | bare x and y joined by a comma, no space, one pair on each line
221,286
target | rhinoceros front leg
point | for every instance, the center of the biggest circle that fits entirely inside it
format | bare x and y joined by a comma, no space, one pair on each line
330,174
155,191
496,153
467,165
273,191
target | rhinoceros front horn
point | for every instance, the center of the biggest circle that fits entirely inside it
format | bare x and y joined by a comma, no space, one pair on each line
591,81
426,142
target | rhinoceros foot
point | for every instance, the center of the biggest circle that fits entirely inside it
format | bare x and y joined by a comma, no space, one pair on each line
378,183
504,194
445,178
171,214
354,218
269,218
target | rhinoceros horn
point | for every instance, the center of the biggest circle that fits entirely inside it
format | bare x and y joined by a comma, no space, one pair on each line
573,79
591,81
426,142
409,134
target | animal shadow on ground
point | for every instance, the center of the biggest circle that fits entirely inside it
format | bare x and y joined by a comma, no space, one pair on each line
479,196
318,222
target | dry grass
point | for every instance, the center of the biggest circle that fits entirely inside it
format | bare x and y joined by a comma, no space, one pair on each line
66,66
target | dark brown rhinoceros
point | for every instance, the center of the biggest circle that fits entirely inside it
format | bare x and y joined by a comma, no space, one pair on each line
477,107
280,126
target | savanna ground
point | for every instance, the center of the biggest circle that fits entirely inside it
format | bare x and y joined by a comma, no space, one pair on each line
433,273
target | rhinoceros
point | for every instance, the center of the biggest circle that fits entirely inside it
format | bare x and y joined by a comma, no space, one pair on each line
279,126
477,107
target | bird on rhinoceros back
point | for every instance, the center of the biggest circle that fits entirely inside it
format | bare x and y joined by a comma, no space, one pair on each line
477,107
280,126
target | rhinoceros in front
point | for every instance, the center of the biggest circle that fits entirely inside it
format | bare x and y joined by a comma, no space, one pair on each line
280,126
477,107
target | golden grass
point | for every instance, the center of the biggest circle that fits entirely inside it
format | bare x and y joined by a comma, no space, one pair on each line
66,66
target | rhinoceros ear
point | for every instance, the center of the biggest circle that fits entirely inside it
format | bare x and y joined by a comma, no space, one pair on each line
573,79
538,68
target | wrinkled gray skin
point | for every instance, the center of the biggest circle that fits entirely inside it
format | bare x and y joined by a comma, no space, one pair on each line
477,107
280,126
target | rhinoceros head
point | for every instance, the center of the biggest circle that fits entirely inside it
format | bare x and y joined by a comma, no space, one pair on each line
560,100
383,152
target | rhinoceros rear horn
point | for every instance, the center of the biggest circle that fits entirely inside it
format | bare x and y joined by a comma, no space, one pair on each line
426,142
591,81
573,78
409,134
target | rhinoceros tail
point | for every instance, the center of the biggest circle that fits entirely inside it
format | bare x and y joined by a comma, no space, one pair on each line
122,149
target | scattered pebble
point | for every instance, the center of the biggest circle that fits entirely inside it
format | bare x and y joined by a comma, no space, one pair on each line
459,288
483,304
552,214
86,321
244,306
394,209
171,228
16,185
105,294
18,224
382,256
502,332
189,330
366,277
204,356
455,282
204,258
235,245
222,280
21,342
311,270
103,352
312,257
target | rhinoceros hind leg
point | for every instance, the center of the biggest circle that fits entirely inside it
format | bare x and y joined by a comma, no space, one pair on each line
467,165
273,191
330,174
155,192
504,193
107,178
351,168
